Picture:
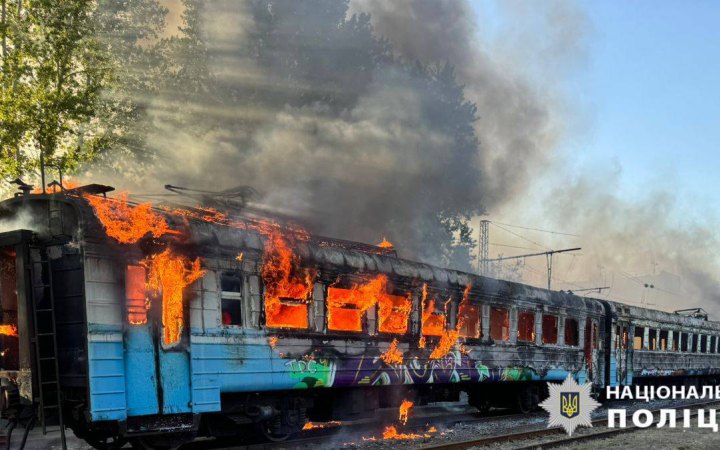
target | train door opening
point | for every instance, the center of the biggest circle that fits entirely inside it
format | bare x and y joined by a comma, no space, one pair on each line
9,351
590,338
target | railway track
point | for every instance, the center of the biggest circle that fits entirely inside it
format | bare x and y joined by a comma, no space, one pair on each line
357,430
543,432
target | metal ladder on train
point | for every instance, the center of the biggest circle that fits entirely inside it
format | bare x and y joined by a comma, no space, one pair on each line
45,342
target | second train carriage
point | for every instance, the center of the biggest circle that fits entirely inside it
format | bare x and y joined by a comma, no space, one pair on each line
116,377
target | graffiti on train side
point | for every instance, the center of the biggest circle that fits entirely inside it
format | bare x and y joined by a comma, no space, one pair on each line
311,373
366,370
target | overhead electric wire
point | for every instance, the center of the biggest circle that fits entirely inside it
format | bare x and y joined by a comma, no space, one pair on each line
536,229
520,236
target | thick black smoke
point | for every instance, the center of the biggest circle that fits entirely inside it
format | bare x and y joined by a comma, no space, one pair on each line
365,126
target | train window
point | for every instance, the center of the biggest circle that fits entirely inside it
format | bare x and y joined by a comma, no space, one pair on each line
135,297
468,320
549,329
526,326
394,313
625,337
433,318
499,324
703,343
683,342
694,347
571,332
595,334
663,340
652,339
676,338
346,308
231,284
639,336
713,344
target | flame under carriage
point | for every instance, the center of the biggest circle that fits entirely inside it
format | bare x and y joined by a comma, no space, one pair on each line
119,378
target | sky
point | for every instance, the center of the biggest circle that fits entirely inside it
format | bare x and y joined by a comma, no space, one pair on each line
652,84
642,112
646,89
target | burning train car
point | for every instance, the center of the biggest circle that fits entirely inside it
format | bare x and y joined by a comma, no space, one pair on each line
158,324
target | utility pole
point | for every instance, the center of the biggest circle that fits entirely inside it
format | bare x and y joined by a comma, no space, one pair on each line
548,255
484,243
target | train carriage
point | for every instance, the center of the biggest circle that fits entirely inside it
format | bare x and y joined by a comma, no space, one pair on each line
200,326
657,347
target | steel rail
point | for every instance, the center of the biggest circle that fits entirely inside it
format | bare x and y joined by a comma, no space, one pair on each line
542,432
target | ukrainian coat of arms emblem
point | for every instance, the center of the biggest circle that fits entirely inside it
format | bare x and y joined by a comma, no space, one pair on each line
569,404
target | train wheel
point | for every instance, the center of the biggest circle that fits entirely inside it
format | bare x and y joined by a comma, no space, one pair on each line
527,400
266,428
483,405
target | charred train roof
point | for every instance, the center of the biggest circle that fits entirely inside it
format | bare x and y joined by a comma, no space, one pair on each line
328,254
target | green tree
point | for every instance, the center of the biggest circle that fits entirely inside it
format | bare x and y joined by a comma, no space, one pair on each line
58,68
70,87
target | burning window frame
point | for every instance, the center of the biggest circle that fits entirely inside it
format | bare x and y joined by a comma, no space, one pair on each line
386,313
432,310
503,334
521,335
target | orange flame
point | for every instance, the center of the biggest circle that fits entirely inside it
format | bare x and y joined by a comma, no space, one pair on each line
125,223
393,355
422,342
171,274
287,285
433,323
468,316
273,342
8,330
391,433
394,313
385,244
405,411
314,426
346,307
447,342
135,299
67,185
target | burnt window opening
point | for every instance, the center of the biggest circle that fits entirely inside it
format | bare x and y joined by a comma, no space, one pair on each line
549,329
499,324
9,358
394,313
135,298
639,337
346,309
694,347
596,331
663,340
526,326
675,341
433,318
469,323
703,343
713,344
625,338
683,342
652,339
231,286
618,336
571,332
